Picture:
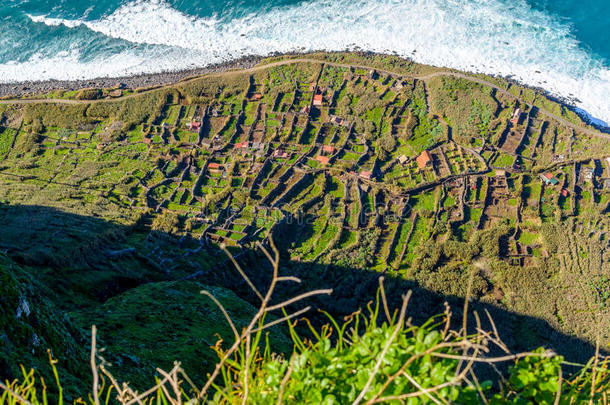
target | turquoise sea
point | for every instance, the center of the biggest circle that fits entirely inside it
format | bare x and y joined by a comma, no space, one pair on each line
561,45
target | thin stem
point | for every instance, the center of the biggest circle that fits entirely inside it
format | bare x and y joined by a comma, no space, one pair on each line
242,273
326,291
399,325
384,299
96,394
15,395
224,311
270,324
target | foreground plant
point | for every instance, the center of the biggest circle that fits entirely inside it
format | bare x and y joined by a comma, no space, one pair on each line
373,356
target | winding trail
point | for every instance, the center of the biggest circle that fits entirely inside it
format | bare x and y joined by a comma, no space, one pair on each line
258,68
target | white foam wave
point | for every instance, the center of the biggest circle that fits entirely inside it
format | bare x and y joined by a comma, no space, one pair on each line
489,36
54,22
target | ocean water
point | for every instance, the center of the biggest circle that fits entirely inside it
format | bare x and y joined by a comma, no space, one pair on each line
561,45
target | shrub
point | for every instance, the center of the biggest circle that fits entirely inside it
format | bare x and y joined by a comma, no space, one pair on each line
88,94
374,356
166,222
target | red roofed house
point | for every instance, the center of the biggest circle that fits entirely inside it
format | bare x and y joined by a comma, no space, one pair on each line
366,175
214,167
305,110
317,100
328,149
193,126
257,96
564,192
424,159
550,179
323,159
242,145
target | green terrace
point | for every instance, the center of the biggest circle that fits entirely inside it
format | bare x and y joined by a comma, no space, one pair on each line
365,169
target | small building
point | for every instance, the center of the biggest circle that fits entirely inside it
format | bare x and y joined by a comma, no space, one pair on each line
398,85
257,96
424,160
587,173
193,126
317,100
328,149
333,119
312,86
500,173
323,159
280,154
305,110
215,167
564,192
516,116
242,145
548,178
402,159
366,174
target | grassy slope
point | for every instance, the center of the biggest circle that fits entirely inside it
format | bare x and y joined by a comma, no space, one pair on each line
91,183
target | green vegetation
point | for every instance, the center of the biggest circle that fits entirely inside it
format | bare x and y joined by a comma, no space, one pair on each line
114,210
375,357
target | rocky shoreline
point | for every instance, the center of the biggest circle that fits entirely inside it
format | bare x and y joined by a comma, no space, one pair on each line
147,80
28,88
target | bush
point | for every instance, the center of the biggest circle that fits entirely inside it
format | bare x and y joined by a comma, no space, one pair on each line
36,126
166,222
88,94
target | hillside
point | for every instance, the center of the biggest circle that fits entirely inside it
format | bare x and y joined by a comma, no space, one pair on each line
358,165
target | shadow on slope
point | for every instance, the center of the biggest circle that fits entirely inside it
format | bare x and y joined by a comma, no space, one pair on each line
141,288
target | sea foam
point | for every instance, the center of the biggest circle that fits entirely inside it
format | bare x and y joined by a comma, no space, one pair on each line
487,36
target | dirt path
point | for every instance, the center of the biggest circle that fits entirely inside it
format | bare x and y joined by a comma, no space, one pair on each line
258,68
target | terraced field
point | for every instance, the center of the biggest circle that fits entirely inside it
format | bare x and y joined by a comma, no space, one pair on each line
422,178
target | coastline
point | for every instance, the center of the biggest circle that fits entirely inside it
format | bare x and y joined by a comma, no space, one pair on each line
142,80
151,80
